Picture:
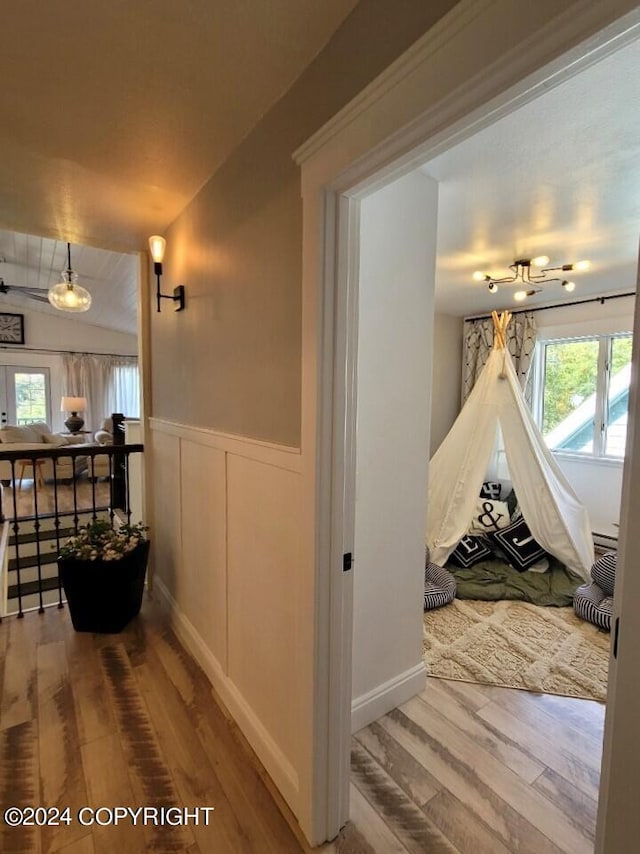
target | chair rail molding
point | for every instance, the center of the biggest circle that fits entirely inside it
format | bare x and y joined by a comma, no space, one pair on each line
282,456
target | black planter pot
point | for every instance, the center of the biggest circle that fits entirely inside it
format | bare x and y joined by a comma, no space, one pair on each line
103,596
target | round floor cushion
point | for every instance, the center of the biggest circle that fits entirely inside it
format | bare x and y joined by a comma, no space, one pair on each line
594,602
603,572
439,586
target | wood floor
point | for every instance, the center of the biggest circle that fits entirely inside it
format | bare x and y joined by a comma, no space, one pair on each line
479,769
131,720
123,720
24,496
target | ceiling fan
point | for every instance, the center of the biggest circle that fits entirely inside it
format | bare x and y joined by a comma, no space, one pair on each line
39,294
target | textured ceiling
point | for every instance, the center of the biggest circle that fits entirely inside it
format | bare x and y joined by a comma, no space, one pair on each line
559,177
115,113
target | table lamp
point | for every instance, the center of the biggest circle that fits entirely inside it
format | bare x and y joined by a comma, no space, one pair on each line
74,423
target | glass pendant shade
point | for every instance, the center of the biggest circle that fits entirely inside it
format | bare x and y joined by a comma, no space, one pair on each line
67,295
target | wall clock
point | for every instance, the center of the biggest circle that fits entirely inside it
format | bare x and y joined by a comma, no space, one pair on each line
11,328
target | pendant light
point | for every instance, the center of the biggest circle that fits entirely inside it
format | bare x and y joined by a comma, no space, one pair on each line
68,295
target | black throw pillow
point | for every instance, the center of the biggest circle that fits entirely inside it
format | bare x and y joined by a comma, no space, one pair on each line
518,544
491,489
512,502
470,550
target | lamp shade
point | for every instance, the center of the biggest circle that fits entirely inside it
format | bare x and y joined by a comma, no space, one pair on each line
73,404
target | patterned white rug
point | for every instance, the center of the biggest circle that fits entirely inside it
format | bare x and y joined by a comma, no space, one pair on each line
517,645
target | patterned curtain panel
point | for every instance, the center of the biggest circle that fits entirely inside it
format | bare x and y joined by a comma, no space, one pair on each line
478,341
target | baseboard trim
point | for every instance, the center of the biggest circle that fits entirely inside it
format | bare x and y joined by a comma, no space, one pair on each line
274,761
376,703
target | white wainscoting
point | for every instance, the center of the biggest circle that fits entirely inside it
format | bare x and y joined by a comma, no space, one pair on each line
226,559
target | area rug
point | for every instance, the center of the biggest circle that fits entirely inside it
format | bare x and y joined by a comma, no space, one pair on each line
517,645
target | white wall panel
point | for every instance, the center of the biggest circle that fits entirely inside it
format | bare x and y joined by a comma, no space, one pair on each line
165,538
228,559
598,484
264,607
203,588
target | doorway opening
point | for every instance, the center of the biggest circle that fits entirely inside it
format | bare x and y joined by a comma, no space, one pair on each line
348,533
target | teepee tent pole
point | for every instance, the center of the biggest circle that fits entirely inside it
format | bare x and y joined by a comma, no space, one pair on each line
500,323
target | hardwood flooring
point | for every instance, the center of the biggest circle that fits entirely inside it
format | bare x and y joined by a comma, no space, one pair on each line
131,720
478,769
24,496
124,720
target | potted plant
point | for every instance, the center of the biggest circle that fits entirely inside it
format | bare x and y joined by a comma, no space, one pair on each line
102,571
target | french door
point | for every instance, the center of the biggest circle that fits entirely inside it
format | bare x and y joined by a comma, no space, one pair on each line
25,395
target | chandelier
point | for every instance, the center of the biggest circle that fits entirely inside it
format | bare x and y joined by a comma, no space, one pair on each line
532,282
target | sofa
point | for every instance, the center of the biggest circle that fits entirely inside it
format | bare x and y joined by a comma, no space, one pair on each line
103,436
36,437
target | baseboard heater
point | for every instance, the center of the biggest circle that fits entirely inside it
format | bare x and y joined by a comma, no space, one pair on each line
605,540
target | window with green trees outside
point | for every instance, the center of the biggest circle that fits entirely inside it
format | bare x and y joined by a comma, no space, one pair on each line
583,394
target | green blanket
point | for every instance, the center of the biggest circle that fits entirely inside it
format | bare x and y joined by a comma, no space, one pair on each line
495,579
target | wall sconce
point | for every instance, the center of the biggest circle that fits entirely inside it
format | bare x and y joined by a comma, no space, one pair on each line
157,246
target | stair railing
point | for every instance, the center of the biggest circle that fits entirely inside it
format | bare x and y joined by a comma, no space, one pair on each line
55,508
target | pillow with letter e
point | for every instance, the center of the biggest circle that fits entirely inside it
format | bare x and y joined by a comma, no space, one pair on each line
518,544
491,489
470,550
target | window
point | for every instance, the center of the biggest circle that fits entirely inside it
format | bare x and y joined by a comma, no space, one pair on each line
24,395
582,394
31,397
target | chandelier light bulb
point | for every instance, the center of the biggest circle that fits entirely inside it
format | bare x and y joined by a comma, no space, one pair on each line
540,260
519,296
581,266
569,286
493,288
479,276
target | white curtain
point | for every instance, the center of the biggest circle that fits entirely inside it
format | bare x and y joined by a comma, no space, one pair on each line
88,376
123,392
478,342
109,383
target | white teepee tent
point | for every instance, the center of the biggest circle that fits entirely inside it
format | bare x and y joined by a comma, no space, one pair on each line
555,516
